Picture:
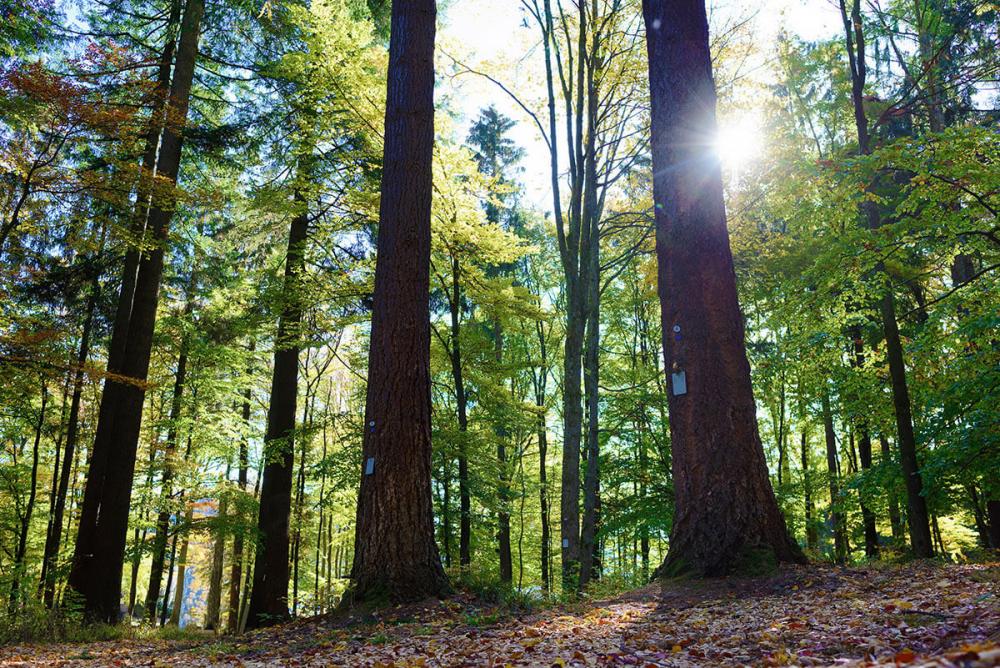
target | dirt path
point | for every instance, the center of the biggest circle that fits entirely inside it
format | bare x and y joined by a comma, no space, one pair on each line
916,615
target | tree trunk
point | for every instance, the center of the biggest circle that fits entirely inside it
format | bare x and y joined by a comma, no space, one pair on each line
461,402
832,468
540,378
812,538
396,557
175,613
503,513
726,515
165,605
53,540
895,520
235,574
214,603
269,596
589,565
993,510
919,519
29,508
100,554
543,497
160,536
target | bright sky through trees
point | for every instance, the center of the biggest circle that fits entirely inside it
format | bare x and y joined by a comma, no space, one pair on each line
482,33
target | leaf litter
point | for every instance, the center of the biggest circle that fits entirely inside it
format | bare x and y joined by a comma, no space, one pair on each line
916,615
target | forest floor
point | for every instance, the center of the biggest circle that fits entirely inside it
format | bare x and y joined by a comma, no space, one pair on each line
918,614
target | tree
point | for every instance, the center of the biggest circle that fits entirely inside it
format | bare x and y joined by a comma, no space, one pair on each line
918,516
395,555
726,514
100,547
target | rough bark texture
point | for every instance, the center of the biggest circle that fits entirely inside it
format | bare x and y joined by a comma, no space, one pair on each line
100,551
269,596
395,556
726,513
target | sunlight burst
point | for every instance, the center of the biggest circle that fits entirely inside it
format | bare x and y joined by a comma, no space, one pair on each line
739,142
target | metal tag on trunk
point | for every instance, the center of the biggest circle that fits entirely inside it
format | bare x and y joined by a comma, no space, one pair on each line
565,542
370,466
679,381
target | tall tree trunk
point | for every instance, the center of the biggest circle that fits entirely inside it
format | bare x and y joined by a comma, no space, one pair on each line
812,537
725,510
53,540
317,600
162,530
864,452
98,561
503,513
56,468
29,509
269,596
165,604
175,613
395,555
895,520
919,519
235,573
993,511
589,565
832,468
461,403
213,604
540,378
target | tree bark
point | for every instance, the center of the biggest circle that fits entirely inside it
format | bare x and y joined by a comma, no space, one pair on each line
540,378
269,596
726,515
395,555
589,563
213,604
461,403
99,558
993,511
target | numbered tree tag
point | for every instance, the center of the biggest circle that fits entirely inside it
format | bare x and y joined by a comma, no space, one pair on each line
679,382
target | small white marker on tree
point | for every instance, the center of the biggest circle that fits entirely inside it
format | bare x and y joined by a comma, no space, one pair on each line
370,466
679,382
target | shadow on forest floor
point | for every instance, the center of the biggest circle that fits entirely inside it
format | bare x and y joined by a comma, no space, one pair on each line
917,614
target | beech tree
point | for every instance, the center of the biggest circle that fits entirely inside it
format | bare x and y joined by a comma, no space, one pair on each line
395,555
725,513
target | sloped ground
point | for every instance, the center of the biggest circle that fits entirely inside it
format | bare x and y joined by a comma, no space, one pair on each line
914,615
